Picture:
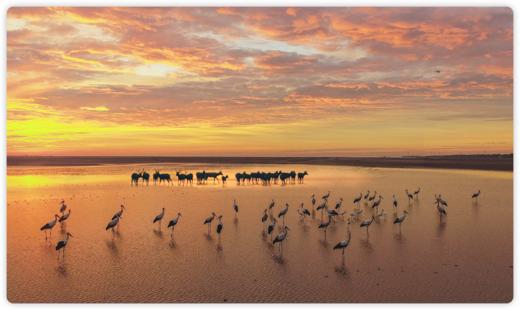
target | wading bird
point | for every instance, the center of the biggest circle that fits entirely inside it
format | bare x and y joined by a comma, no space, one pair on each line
63,206
283,212
381,214
270,228
235,207
62,244
367,223
271,205
410,196
119,213
174,222
377,202
338,204
313,201
326,196
370,198
113,223
416,193
321,208
442,210
395,204
440,200
49,226
324,226
400,220
208,221
332,213
159,218
358,199
476,195
265,216
64,217
356,213
220,225
343,244
281,237
303,212
366,195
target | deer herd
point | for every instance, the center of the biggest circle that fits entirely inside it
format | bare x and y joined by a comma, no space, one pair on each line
203,177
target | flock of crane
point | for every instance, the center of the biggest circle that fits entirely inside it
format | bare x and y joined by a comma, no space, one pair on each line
270,221
202,177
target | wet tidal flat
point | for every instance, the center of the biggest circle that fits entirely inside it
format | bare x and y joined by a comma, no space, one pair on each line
467,256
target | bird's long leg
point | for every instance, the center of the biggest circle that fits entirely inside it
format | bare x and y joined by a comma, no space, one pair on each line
45,231
50,235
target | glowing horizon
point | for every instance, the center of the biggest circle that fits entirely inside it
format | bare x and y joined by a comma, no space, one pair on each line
259,81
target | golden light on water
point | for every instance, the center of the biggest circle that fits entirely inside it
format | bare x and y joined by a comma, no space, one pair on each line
428,259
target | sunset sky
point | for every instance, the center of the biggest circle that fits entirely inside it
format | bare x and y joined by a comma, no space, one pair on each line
259,82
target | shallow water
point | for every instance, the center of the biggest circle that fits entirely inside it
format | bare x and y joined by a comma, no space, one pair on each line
466,257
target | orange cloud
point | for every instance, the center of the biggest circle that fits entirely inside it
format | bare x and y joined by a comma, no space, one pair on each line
222,69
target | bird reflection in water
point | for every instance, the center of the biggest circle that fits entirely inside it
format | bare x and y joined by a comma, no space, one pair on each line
366,245
112,246
441,228
62,269
342,269
158,233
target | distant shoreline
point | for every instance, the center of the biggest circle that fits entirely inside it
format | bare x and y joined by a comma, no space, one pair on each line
497,162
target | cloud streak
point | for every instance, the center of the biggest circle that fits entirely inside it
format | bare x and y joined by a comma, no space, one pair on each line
161,71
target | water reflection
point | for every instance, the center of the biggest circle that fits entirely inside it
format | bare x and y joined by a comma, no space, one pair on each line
249,252
112,246
158,233
441,228
399,237
61,269
342,269
366,245
279,259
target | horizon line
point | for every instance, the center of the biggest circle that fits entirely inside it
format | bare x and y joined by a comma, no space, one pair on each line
262,156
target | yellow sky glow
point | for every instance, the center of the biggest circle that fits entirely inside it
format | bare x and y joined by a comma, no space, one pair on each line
259,82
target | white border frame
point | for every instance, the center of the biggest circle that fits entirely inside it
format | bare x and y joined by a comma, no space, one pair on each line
6,4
